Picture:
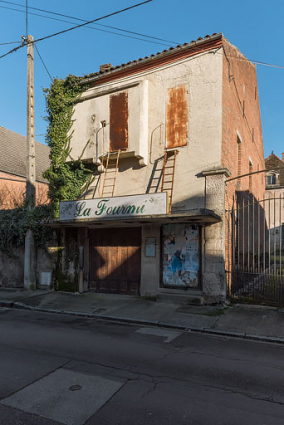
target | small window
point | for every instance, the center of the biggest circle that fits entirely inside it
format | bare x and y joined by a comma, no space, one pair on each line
271,179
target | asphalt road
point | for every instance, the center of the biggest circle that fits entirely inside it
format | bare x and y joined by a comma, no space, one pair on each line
58,369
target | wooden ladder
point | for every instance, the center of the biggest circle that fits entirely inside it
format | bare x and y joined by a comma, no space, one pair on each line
110,174
169,174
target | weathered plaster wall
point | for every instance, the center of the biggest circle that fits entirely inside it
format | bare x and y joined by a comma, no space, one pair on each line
148,94
12,269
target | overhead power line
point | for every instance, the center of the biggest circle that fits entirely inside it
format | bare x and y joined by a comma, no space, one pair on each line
75,27
99,29
83,20
42,61
93,20
10,42
27,19
12,51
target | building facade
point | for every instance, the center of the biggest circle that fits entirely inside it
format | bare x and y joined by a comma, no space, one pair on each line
274,196
13,173
164,133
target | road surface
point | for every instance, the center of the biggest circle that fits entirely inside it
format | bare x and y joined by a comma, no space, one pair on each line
60,369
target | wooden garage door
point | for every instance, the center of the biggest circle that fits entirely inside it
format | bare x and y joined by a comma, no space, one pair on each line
115,260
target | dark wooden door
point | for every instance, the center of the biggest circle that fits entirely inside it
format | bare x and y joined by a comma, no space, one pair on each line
115,260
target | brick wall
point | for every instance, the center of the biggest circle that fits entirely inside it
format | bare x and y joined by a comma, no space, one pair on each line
242,145
13,189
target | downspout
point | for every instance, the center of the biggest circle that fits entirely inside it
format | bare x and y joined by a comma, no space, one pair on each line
97,160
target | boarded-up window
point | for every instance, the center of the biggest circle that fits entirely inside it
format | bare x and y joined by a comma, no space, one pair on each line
177,120
118,121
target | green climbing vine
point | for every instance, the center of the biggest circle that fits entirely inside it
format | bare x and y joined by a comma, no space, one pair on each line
68,178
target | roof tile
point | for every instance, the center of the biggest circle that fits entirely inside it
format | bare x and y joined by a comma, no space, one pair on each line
13,156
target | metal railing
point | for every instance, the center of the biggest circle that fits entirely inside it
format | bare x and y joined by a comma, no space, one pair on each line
255,249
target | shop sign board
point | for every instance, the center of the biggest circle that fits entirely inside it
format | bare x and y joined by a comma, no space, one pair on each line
114,208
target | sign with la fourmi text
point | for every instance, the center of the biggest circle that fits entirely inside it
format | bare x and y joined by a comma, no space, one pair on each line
112,208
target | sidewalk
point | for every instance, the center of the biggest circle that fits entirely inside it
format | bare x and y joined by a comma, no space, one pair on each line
242,321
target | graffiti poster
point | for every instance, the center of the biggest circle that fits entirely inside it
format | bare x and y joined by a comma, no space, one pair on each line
180,255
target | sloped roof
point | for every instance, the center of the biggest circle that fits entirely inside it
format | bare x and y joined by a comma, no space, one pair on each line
152,58
13,157
272,159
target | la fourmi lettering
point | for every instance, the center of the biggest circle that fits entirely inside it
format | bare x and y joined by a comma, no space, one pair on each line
117,210
81,210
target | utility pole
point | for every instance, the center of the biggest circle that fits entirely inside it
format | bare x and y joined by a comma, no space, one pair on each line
29,262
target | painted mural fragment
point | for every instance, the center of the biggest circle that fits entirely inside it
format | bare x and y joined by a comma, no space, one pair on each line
180,255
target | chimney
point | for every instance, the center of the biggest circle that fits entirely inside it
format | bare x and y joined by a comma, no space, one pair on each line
282,156
106,67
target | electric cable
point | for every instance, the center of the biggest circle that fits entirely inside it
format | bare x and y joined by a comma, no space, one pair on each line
42,61
83,20
27,19
96,29
10,42
77,26
93,20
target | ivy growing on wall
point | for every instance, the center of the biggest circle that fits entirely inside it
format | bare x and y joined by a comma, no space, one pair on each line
68,177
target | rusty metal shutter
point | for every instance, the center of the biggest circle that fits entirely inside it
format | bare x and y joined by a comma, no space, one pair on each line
177,117
118,106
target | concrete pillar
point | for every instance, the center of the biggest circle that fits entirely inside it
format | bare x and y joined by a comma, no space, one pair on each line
213,255
29,262
150,265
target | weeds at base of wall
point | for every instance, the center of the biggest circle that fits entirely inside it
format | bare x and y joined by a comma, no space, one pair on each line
146,297
61,278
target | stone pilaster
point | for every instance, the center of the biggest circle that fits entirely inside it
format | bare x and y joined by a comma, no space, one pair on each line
213,252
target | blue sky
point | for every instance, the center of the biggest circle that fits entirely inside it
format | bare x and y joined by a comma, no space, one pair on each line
254,26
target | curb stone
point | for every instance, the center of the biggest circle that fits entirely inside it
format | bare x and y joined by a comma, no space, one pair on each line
19,305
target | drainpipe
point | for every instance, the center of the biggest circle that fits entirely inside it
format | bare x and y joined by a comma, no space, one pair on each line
97,160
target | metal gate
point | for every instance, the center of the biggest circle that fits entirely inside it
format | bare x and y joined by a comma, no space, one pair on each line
255,249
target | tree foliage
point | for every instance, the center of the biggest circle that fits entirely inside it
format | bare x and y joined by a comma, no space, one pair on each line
14,224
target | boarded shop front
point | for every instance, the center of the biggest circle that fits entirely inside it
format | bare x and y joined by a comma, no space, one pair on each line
180,262
115,260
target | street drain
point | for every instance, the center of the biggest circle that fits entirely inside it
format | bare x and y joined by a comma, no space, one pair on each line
75,387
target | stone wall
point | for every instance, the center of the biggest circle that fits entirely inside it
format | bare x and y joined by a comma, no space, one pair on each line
12,268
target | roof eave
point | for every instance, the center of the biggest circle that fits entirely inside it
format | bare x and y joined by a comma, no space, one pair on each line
152,59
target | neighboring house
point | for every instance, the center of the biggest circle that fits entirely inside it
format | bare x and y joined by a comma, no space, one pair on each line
275,201
179,122
13,162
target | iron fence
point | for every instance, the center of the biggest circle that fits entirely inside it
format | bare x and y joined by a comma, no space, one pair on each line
255,249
